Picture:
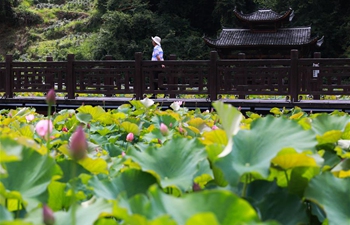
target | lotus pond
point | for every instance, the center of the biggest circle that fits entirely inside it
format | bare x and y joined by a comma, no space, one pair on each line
139,165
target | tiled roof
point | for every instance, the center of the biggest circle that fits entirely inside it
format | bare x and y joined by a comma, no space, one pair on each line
244,37
262,15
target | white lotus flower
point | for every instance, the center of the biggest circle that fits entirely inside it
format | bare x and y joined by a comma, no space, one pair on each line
147,102
344,144
176,105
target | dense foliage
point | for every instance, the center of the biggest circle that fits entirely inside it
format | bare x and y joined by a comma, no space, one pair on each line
93,28
140,165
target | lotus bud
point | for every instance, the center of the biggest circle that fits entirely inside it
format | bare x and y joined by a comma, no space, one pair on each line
48,217
181,130
239,108
159,141
88,126
78,144
123,154
51,97
164,129
196,187
64,129
130,137
170,125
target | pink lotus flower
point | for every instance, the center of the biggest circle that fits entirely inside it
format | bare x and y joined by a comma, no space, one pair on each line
164,129
44,127
214,127
51,97
78,144
30,117
48,217
130,137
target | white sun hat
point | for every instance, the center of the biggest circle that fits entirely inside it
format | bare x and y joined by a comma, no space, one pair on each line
157,40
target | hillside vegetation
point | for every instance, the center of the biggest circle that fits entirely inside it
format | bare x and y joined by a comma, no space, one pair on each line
31,30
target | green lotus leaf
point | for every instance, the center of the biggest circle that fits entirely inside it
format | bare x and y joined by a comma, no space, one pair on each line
156,135
342,170
230,117
174,163
5,215
102,129
67,166
200,124
106,221
84,118
32,175
27,131
288,158
113,150
331,136
214,136
167,119
333,197
10,150
204,173
94,166
96,112
253,149
130,128
137,219
300,178
203,219
325,122
86,215
137,104
276,111
131,181
57,196
346,132
227,207
213,151
288,209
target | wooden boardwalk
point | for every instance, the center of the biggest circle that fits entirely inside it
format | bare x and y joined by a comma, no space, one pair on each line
294,79
261,106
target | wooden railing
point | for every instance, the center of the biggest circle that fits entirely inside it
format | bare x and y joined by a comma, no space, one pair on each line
292,77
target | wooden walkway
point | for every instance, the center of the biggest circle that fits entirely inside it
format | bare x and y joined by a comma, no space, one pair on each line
260,106
208,80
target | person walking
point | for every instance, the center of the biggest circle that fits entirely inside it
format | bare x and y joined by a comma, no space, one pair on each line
157,55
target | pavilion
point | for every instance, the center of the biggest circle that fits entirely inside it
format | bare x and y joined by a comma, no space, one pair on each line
264,35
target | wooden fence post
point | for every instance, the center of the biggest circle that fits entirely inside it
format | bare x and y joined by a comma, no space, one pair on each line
212,79
294,76
49,76
9,79
108,80
241,79
138,82
70,79
172,79
317,55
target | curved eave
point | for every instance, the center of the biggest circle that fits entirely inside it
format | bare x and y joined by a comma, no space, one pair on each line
243,17
210,42
213,45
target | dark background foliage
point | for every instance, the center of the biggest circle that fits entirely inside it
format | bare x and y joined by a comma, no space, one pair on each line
122,27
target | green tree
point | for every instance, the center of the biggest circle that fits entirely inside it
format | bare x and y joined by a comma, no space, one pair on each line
6,11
